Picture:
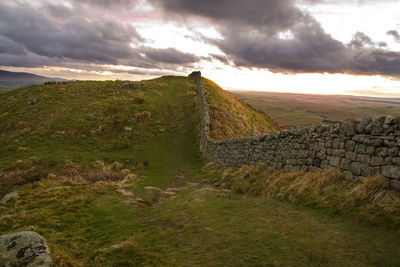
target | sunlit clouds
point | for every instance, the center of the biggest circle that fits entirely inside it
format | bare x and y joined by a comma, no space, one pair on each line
318,47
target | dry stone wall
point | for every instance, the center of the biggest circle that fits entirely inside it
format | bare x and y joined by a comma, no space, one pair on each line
359,148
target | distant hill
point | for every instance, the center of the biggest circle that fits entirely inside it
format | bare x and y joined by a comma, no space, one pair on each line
306,109
13,80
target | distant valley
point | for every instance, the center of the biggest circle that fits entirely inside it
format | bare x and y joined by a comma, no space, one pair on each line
13,80
306,109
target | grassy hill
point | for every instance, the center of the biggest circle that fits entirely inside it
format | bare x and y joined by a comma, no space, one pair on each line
231,117
110,173
14,80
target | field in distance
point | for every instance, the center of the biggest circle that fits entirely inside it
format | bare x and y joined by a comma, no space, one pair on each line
306,109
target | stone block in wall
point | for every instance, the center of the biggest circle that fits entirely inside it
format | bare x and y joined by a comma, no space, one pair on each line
305,146
336,143
363,124
350,145
363,158
345,164
321,155
348,175
377,126
328,143
389,143
388,160
359,138
370,150
366,170
393,151
301,162
356,168
391,171
381,151
324,164
377,161
370,171
389,130
374,142
291,161
303,154
339,153
396,161
329,151
314,147
334,161
335,129
361,149
341,145
351,155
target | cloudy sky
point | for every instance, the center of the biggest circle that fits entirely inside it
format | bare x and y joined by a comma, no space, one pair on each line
310,46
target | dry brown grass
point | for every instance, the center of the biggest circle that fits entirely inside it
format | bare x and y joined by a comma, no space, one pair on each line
78,174
19,173
372,199
138,100
22,172
142,116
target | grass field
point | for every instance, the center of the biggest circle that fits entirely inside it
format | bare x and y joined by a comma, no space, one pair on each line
100,201
302,109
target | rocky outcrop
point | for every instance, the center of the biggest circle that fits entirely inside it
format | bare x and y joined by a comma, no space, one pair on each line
359,148
24,249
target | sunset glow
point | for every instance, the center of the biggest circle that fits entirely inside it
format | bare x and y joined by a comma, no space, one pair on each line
162,42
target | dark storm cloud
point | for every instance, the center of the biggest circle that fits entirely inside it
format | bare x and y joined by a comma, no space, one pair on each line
8,46
168,55
253,34
275,14
27,60
58,35
105,40
107,3
360,39
345,2
220,58
394,34
256,33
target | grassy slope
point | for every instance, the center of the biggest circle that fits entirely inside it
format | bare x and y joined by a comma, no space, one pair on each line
203,225
232,118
